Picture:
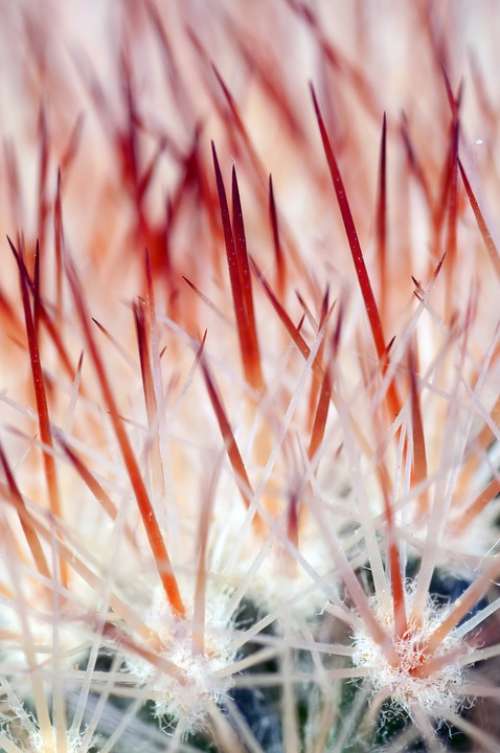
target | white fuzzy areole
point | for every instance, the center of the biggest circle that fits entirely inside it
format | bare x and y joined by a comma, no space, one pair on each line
440,690
201,686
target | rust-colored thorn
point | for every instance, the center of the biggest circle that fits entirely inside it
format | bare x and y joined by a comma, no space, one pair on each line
419,465
279,257
146,510
252,343
25,519
481,223
393,400
226,431
40,394
237,260
382,221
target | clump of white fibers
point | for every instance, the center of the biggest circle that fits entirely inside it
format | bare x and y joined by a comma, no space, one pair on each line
401,684
38,744
186,694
